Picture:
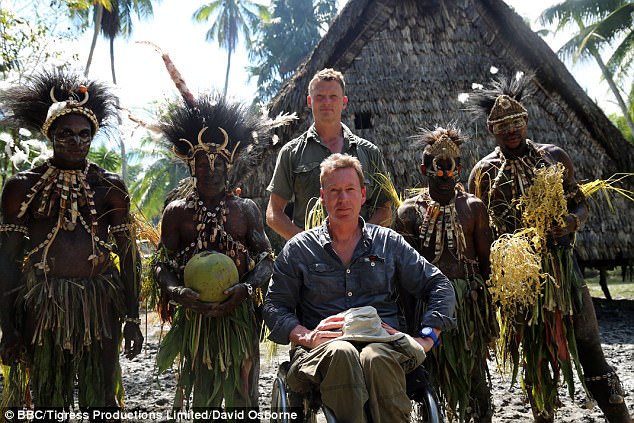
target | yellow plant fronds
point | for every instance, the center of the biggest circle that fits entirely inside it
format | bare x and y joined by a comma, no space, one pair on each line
607,186
543,204
516,272
146,231
315,214
385,183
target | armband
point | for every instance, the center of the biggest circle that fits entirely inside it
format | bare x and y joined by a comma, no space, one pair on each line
133,320
124,227
249,288
11,227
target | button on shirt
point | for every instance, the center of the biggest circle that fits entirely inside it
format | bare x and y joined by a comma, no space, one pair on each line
310,283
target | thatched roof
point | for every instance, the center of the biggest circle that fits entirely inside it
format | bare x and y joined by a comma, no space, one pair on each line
407,61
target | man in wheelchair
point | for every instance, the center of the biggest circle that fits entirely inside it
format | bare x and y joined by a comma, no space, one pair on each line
323,282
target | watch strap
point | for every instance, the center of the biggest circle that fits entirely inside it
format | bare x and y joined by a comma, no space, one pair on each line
428,332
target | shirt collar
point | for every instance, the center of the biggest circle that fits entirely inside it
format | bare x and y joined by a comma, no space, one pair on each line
348,137
324,235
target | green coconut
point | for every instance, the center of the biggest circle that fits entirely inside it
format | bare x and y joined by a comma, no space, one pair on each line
209,273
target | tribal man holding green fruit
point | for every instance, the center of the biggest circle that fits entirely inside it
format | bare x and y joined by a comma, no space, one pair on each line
214,258
536,205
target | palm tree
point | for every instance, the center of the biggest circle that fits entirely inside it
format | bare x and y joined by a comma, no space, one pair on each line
283,42
231,18
113,18
600,23
97,16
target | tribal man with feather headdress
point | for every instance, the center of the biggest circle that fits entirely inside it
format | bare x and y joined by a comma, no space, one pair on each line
450,228
218,342
63,297
559,327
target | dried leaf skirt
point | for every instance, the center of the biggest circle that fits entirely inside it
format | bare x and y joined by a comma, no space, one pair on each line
67,320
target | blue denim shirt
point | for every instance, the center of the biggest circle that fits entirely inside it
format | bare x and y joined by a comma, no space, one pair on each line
310,283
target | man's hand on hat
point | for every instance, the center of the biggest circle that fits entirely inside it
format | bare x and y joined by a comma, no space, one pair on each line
326,330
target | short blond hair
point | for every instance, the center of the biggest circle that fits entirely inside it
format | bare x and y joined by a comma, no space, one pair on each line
328,74
340,161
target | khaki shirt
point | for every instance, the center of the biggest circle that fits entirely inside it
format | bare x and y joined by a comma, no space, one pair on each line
296,174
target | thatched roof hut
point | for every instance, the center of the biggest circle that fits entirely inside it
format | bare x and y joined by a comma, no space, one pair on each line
407,61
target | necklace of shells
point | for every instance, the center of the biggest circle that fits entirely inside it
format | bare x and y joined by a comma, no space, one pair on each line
441,221
71,191
522,169
210,230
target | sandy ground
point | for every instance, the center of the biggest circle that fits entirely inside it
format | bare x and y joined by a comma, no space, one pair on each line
147,392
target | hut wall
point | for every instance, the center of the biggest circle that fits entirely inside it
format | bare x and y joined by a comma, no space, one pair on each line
408,72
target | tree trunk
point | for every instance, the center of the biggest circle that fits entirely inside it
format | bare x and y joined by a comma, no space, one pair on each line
98,15
114,75
615,90
227,75
124,162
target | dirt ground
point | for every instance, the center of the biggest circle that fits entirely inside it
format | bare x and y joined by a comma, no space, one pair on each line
147,392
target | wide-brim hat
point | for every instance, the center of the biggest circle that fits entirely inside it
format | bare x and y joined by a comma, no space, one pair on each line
363,324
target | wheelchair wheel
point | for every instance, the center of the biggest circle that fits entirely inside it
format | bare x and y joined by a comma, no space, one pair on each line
426,410
284,401
279,401
425,404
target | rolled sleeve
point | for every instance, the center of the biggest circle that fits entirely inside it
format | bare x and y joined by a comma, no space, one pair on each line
282,180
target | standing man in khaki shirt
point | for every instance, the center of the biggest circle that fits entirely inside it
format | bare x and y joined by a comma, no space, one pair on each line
296,175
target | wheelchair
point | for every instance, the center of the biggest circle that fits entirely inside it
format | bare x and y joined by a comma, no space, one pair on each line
425,408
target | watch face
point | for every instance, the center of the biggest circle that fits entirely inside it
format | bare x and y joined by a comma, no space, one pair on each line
427,331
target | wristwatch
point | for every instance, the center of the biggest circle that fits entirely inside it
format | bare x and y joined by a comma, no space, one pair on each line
428,332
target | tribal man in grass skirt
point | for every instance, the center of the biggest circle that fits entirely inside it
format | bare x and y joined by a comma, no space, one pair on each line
450,228
561,328
218,343
63,297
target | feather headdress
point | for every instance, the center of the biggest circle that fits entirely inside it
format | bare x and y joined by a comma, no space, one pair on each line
503,99
441,142
48,95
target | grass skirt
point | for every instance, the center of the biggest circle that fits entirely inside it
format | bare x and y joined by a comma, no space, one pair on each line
542,341
218,358
463,351
67,319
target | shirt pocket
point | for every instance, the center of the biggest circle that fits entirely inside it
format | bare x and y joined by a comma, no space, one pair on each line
306,177
323,283
375,273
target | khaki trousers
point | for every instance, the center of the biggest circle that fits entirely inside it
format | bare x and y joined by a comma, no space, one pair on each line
351,374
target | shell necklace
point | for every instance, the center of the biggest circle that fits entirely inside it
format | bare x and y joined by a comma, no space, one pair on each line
69,189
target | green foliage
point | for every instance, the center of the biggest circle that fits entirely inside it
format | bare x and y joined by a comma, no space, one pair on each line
284,42
231,19
619,121
619,287
19,151
105,158
29,40
601,24
158,174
